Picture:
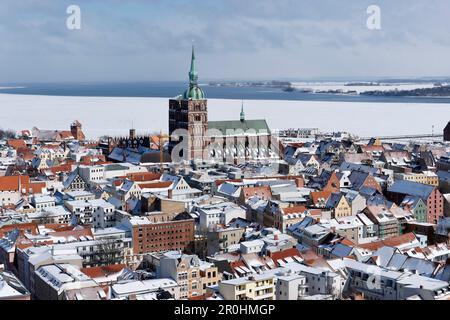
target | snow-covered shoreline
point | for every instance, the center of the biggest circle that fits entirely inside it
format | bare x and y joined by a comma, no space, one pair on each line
346,87
114,116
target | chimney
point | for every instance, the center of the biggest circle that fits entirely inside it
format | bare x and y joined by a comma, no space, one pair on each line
299,182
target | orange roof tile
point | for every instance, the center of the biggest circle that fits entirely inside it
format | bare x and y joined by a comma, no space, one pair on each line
60,168
155,185
103,271
347,242
317,195
58,226
11,183
220,181
144,176
389,242
36,187
263,192
17,143
293,252
33,227
296,209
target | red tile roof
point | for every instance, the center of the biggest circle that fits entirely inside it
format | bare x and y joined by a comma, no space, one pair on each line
293,252
33,227
347,242
156,185
36,187
198,298
117,182
25,153
144,176
60,168
317,195
103,271
58,226
17,143
220,181
263,192
235,264
11,183
390,242
296,209
66,134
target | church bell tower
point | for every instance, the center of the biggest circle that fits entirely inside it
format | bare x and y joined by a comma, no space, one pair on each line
189,111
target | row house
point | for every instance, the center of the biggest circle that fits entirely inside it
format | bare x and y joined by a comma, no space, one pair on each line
429,194
387,224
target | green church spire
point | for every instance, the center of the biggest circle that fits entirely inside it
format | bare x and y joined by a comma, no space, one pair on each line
242,112
194,92
193,74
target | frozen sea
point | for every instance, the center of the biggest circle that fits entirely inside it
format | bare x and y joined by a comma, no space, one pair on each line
115,115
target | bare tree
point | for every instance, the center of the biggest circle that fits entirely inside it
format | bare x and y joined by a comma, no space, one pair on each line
45,218
107,252
7,134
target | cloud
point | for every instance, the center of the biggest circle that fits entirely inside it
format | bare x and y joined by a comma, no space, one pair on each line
150,40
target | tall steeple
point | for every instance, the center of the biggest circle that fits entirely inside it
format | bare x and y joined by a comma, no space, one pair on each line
193,74
242,111
194,92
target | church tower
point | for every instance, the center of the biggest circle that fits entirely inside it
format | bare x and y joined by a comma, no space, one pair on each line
189,111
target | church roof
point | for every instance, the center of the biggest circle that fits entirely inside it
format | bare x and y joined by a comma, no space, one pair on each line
258,125
194,93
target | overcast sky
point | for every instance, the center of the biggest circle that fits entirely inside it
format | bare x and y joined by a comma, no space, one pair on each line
141,40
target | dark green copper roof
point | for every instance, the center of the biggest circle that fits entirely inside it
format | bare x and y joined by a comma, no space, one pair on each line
258,125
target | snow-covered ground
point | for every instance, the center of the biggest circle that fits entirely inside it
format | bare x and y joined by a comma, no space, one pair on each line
114,116
328,86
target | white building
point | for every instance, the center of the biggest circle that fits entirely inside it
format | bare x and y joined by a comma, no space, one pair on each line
222,213
254,246
255,287
378,283
290,286
142,288
98,212
43,202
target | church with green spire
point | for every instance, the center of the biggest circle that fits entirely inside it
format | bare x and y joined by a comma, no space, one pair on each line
251,138
194,92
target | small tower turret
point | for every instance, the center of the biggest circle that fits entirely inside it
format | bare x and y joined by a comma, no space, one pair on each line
242,117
